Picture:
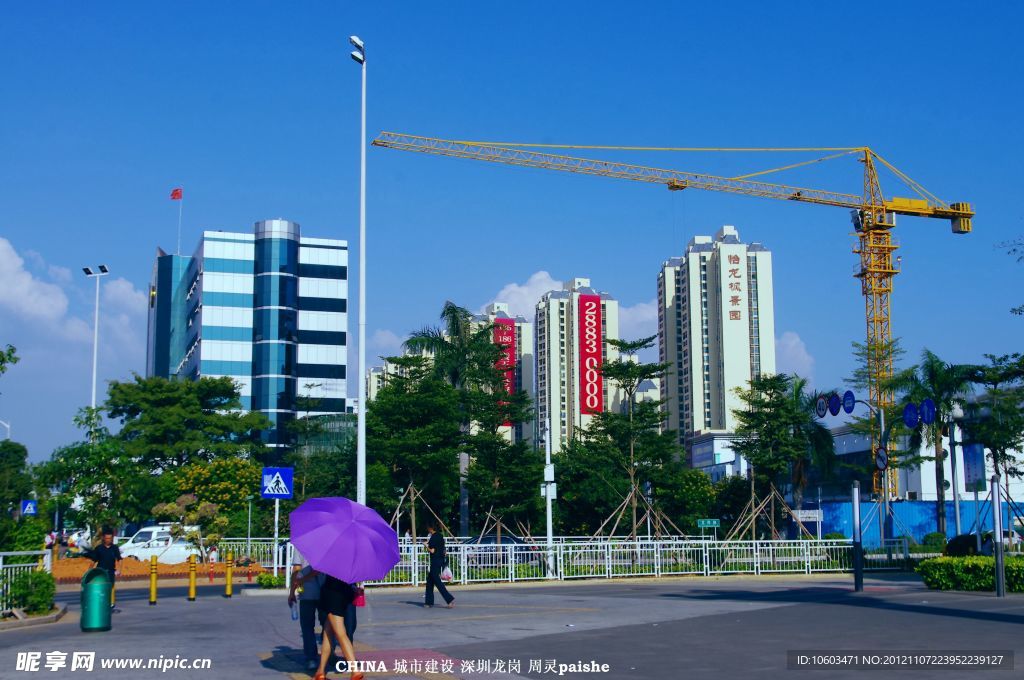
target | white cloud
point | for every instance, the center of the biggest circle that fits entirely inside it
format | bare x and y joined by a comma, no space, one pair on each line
384,343
25,296
522,298
791,356
124,296
638,321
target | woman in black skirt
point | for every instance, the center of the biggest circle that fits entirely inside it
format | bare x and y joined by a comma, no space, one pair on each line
335,597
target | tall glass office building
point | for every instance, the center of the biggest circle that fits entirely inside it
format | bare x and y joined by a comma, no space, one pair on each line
268,309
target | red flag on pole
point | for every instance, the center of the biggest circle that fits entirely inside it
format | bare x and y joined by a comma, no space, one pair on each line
176,194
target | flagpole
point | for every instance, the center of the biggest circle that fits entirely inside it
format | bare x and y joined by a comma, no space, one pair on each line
180,202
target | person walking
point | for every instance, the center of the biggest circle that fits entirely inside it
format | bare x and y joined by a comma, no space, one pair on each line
310,609
107,556
435,546
336,596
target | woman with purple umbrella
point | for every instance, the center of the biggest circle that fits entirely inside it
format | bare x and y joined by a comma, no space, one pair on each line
336,596
349,543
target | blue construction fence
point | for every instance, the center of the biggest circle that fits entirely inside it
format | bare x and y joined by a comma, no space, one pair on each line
914,518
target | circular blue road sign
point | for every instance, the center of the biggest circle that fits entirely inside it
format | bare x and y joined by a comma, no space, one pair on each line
834,404
849,401
927,411
821,407
910,416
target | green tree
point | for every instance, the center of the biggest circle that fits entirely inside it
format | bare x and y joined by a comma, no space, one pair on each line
464,355
304,429
778,433
1015,248
684,494
225,482
109,483
947,385
413,430
591,485
8,357
15,476
641,421
996,418
168,424
199,523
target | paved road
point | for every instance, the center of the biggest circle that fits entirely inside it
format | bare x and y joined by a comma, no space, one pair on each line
670,628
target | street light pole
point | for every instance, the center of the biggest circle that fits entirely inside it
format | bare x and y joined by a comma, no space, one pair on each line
8,426
103,271
359,55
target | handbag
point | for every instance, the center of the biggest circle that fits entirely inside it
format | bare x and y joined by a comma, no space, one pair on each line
446,574
360,599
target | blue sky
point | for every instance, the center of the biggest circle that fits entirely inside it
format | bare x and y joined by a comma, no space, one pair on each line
254,107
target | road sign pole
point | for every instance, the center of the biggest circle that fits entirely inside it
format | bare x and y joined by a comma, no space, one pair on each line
858,556
977,520
277,517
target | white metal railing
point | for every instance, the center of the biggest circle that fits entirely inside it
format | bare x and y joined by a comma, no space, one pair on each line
575,558
472,563
14,563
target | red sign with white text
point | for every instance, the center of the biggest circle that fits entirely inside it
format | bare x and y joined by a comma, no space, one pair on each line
505,337
591,381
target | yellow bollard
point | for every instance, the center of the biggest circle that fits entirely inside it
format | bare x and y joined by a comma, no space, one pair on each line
191,578
228,570
152,580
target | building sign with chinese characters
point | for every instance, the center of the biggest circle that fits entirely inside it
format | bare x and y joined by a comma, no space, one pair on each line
733,287
505,337
591,382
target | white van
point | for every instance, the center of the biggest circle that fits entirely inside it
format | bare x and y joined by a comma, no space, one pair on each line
157,540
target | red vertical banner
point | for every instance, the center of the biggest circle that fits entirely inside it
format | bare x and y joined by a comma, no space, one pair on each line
505,337
591,380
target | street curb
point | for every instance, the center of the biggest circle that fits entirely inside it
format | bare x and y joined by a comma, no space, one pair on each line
36,621
265,592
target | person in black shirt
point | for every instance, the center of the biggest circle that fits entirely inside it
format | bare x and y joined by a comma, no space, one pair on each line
435,546
107,555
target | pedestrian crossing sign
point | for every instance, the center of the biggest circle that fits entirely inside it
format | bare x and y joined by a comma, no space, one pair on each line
277,482
29,508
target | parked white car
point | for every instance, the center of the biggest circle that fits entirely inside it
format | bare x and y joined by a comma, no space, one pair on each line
158,541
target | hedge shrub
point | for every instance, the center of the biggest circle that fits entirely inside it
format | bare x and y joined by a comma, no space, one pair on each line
33,591
935,539
970,573
270,581
833,536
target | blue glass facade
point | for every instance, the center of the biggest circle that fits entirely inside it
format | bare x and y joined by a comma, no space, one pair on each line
268,309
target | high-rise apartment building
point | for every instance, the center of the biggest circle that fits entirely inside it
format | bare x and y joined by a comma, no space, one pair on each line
716,329
573,326
515,335
267,309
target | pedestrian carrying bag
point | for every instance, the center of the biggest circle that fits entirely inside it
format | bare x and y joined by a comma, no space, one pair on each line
446,574
360,598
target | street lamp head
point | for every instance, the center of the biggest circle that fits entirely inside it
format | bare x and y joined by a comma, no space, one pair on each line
358,57
87,270
356,43
104,269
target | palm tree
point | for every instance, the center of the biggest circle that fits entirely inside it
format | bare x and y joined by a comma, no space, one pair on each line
464,355
947,385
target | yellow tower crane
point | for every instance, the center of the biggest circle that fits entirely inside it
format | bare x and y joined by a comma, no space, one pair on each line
873,216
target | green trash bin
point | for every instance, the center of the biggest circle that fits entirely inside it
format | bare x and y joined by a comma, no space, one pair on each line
96,588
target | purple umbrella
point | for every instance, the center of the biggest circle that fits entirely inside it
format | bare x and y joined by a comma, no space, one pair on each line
344,539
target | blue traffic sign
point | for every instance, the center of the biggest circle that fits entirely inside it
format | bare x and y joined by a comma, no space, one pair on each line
834,404
910,416
927,411
849,401
277,482
29,508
